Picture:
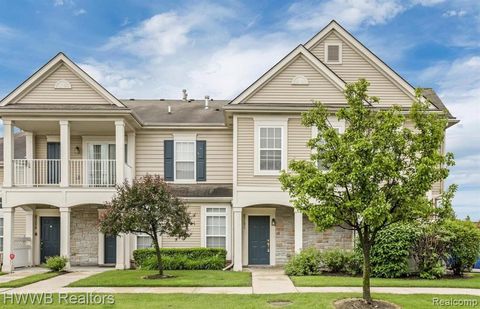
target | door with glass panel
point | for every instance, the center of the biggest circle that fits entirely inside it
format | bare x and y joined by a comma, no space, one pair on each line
100,165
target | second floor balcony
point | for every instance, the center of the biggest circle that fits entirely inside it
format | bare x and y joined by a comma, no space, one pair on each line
82,172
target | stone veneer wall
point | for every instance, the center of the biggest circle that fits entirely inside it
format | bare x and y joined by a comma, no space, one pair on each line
84,235
285,234
333,238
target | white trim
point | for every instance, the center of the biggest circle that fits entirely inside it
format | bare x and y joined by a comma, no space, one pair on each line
194,179
369,56
269,122
53,138
228,231
339,53
47,69
270,212
300,50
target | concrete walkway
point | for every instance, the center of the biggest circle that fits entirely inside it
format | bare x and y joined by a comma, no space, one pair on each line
22,273
264,281
270,280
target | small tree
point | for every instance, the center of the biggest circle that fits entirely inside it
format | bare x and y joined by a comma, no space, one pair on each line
376,173
147,206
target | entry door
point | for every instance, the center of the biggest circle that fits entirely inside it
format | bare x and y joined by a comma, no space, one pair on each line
110,249
53,165
49,237
258,240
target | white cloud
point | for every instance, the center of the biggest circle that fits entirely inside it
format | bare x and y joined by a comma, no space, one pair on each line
6,31
313,15
459,87
453,13
79,12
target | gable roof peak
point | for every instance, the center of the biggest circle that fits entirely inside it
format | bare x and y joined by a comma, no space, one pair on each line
59,59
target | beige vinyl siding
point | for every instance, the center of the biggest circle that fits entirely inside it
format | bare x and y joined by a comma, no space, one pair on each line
280,89
45,93
19,223
355,66
149,152
195,230
298,136
41,147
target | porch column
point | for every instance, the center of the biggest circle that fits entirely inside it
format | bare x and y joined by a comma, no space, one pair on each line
131,154
65,233
127,246
120,150
7,153
64,153
8,217
29,222
29,150
298,227
120,263
237,238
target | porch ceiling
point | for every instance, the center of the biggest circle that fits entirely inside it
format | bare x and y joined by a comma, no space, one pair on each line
76,127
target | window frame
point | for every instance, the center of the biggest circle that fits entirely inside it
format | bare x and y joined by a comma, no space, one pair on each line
194,179
2,230
142,235
265,123
340,53
206,215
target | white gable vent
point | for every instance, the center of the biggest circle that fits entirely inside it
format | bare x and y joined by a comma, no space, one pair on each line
333,53
299,80
63,84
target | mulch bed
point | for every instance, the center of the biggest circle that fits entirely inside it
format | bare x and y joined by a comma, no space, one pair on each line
357,303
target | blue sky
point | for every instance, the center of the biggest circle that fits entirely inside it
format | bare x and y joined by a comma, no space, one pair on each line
153,49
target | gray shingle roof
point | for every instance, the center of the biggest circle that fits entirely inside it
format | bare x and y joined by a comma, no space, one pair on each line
155,112
432,96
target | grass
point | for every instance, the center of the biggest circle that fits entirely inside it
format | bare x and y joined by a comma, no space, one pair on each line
183,278
29,280
194,301
470,281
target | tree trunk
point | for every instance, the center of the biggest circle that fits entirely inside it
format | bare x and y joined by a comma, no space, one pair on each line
159,255
366,268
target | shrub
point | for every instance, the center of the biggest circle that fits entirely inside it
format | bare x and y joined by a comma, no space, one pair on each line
430,250
464,247
335,260
307,262
56,263
392,249
354,263
181,258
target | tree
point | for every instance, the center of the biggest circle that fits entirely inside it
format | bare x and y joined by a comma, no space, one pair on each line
147,206
376,173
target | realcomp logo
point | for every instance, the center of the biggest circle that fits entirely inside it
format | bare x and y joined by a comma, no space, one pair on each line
62,298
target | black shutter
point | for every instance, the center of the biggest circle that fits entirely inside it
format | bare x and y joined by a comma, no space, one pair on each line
168,160
201,160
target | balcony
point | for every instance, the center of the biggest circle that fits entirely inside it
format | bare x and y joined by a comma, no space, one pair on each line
82,173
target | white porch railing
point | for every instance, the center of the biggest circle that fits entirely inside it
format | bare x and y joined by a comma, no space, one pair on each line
36,172
92,173
46,172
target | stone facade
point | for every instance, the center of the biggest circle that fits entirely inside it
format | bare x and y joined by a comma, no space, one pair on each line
330,239
285,234
84,235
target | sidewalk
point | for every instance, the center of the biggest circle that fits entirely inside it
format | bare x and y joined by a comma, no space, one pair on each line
264,281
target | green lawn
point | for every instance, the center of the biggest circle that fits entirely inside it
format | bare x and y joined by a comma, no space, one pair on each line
193,301
28,280
183,278
472,281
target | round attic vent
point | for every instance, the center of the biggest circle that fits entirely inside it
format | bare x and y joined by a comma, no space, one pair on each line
299,80
63,84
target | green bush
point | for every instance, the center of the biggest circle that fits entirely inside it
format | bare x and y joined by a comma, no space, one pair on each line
392,249
307,262
56,263
354,263
464,247
181,258
335,260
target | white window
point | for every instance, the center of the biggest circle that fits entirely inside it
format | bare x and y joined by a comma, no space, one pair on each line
184,160
270,149
216,228
1,234
333,53
144,241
